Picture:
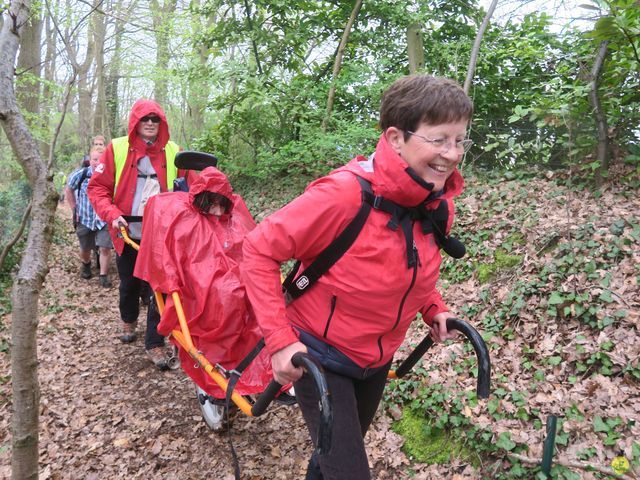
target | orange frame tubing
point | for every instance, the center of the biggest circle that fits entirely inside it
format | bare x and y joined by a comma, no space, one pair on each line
183,337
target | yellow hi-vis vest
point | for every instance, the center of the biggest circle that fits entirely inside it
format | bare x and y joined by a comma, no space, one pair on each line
121,148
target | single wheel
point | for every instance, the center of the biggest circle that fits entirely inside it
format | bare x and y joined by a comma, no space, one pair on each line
213,410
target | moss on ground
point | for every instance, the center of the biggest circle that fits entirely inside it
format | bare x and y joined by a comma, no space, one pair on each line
502,260
425,443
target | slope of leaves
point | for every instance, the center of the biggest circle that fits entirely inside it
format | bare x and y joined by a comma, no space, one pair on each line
562,327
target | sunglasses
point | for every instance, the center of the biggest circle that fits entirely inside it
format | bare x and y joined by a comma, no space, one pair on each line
152,119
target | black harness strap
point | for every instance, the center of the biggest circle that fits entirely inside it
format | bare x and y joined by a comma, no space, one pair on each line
400,217
431,221
234,376
330,255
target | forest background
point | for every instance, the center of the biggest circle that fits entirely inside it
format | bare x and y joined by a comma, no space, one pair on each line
284,91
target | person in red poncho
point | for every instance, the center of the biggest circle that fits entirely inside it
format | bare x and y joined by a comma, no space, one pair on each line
192,244
356,315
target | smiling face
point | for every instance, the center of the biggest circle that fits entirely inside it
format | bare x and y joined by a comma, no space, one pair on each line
432,163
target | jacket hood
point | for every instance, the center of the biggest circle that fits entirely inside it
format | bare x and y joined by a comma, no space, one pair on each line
141,109
392,177
212,180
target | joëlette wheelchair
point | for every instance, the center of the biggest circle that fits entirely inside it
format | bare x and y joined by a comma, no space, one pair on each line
190,160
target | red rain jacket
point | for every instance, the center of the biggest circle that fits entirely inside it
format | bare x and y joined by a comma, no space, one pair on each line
364,304
197,255
102,183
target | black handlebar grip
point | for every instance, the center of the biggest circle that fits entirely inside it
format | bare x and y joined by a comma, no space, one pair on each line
265,398
482,353
313,367
414,356
323,443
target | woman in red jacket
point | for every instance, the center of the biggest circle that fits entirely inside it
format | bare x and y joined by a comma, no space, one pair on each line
355,316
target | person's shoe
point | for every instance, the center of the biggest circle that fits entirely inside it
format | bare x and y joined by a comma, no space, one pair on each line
157,356
86,271
213,410
105,282
128,332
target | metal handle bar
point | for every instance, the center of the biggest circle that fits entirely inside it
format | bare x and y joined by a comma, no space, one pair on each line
482,354
311,365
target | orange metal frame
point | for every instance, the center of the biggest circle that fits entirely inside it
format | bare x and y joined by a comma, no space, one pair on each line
183,337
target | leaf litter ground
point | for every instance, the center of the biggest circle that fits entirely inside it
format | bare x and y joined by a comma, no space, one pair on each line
107,413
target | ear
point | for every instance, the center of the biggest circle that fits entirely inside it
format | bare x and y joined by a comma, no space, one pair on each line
395,138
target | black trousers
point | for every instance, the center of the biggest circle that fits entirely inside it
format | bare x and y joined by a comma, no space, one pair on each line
130,290
354,404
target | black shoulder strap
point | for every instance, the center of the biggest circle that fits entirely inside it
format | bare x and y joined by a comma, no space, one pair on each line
295,285
85,174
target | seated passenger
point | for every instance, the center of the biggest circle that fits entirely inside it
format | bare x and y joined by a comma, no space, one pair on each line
192,244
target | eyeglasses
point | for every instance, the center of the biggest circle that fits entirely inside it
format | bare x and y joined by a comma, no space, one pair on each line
444,145
151,119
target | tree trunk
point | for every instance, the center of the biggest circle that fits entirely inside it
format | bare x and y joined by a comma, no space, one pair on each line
100,112
33,266
338,62
112,127
28,90
198,85
162,27
81,70
415,48
49,72
600,116
473,59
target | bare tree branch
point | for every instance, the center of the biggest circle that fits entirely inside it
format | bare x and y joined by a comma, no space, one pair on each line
7,248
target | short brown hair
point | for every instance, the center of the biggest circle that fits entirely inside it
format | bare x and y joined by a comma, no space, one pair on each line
416,99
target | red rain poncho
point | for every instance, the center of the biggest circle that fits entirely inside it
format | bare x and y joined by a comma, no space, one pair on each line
197,255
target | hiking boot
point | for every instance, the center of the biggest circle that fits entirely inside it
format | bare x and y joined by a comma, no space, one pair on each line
86,271
128,332
105,282
157,356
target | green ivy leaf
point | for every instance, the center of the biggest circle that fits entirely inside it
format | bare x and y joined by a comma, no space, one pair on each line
599,425
504,442
556,360
555,298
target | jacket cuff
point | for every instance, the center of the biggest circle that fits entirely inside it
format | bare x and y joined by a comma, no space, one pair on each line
432,310
276,340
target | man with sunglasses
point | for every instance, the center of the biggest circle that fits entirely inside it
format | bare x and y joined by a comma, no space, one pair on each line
131,170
